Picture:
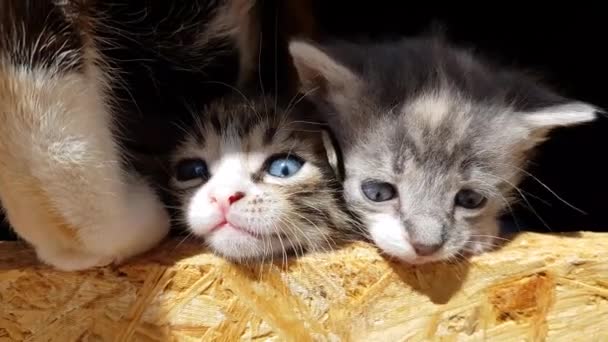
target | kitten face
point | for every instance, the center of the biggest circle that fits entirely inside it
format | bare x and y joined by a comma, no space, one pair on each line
257,184
433,143
431,189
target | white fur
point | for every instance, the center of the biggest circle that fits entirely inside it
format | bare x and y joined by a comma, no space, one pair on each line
61,182
561,115
387,232
259,212
432,108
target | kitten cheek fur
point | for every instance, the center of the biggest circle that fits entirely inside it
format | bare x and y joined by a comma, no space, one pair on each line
430,120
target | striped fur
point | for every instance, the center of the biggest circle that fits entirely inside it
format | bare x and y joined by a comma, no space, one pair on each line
237,139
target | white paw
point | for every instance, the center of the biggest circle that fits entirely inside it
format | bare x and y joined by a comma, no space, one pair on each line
68,260
137,226
146,221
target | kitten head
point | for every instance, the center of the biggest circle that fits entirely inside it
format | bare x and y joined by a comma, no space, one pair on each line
434,142
256,183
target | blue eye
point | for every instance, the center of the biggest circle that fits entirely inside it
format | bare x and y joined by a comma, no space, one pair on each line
284,166
189,169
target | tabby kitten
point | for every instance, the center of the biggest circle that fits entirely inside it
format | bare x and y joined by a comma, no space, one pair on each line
434,140
65,184
254,180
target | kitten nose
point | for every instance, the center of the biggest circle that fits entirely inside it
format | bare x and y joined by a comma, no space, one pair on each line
226,198
235,197
426,250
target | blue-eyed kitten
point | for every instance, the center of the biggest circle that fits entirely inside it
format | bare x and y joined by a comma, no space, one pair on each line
434,140
256,182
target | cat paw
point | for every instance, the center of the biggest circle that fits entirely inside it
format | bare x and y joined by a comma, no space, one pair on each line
137,226
69,260
146,221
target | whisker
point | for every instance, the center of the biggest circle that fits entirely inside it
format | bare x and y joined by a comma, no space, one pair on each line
492,236
523,196
301,98
292,229
260,69
551,191
189,235
283,249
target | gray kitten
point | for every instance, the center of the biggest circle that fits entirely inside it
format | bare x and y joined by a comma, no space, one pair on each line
255,181
434,141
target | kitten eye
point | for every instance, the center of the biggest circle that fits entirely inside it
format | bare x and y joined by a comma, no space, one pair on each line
470,199
189,169
378,191
284,166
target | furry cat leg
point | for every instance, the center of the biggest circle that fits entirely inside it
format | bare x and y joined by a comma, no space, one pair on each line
62,183
61,180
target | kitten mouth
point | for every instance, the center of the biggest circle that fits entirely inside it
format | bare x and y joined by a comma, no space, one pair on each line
227,225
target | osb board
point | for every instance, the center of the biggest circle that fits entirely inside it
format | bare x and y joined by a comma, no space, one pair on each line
539,287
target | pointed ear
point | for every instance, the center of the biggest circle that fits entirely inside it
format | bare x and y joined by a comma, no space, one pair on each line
334,155
561,115
318,72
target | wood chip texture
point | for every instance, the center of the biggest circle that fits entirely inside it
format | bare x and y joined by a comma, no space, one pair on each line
536,288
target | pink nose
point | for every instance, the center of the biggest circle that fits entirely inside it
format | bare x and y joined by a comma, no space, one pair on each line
235,197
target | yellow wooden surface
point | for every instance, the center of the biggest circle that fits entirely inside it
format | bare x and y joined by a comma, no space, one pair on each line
538,287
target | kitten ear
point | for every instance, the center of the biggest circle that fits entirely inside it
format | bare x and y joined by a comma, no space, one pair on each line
318,72
540,122
334,156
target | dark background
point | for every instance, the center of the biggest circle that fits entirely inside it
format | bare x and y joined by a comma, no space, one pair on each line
563,44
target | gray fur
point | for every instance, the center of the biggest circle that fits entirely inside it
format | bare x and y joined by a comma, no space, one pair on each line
431,120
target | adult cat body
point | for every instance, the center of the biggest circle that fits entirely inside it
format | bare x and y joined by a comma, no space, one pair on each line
66,182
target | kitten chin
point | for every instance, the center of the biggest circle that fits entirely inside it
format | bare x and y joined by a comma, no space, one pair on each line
434,140
254,181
